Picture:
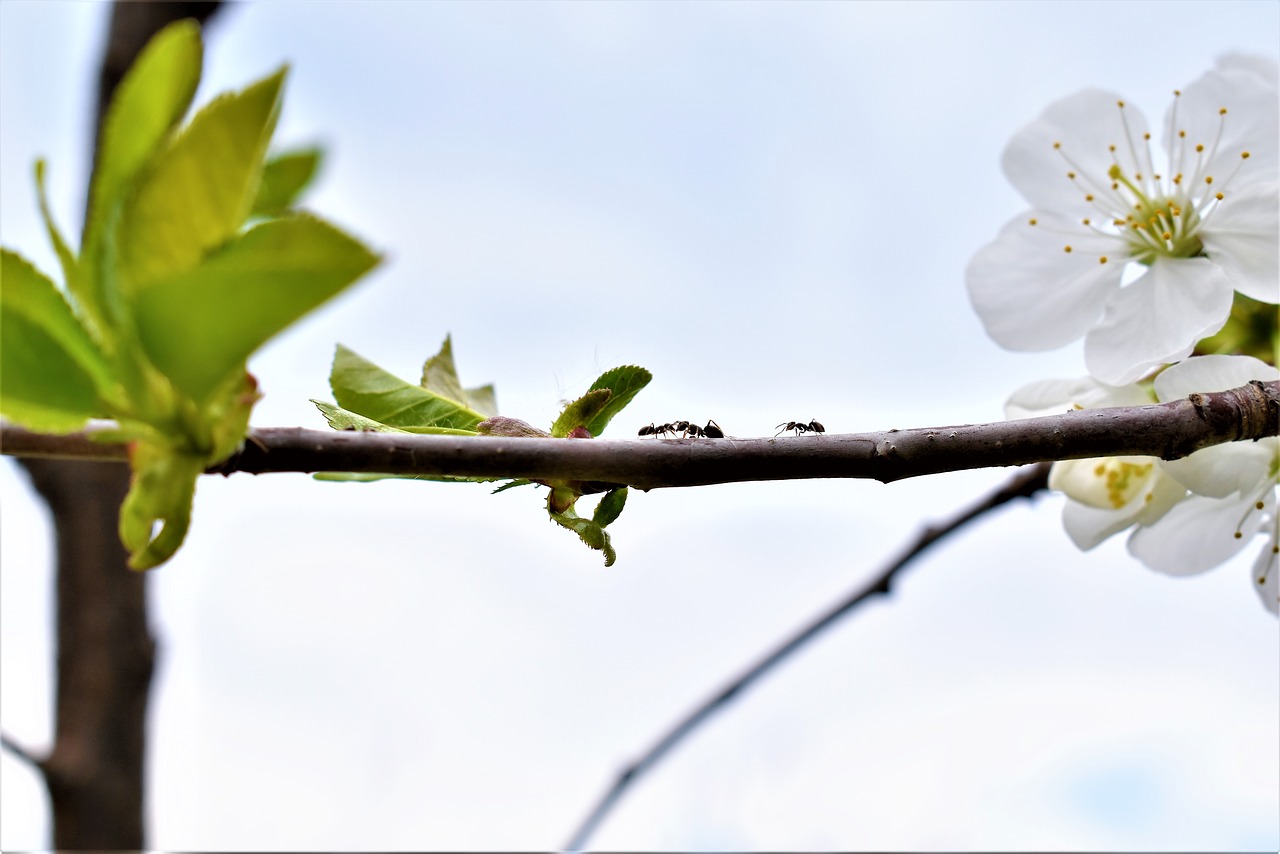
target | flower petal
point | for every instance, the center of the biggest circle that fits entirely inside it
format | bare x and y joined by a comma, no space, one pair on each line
1158,318
1076,135
1243,235
1219,471
1266,569
1088,526
1211,373
1228,469
1051,397
1032,295
1196,535
1251,122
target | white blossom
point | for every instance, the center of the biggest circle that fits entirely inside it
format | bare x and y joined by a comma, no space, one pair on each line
1138,251
1185,516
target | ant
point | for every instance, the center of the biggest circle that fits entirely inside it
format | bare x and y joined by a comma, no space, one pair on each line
686,429
657,430
800,427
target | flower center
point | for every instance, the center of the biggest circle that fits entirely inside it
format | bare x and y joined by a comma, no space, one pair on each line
1154,214
1165,225
1109,483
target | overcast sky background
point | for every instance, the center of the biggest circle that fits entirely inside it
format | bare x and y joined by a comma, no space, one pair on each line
771,207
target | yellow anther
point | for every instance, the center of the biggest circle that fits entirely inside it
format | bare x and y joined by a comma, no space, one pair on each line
1244,155
1120,104
1102,260
1199,148
1057,145
1084,221
1088,197
1222,111
1066,249
1032,221
1071,175
1208,179
1218,196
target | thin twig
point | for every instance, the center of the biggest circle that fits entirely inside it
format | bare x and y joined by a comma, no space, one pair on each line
1168,430
21,753
1023,485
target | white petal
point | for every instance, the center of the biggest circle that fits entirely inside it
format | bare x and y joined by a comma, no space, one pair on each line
1265,577
1196,535
1223,470
1088,526
1251,123
1106,483
1263,66
1053,397
1211,373
1031,294
1084,126
1158,318
1243,235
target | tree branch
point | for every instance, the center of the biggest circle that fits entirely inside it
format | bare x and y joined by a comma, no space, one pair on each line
21,753
1168,430
1024,484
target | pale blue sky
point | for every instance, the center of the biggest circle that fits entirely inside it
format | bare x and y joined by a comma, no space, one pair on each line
771,207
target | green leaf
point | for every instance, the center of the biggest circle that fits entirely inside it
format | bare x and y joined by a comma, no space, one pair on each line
200,326
197,192
583,411
610,507
160,494
341,419
512,484
52,374
284,177
482,399
362,387
589,531
625,383
66,258
151,99
440,375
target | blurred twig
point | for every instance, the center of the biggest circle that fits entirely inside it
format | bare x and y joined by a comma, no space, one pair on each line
1024,484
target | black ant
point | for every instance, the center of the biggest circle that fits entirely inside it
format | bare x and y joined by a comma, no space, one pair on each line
799,427
657,430
711,431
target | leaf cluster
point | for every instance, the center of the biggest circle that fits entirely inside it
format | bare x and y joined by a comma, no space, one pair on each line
191,258
372,399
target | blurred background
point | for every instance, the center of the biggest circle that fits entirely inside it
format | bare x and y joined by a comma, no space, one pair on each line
771,207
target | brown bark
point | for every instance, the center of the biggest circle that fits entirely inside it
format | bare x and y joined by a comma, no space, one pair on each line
105,655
